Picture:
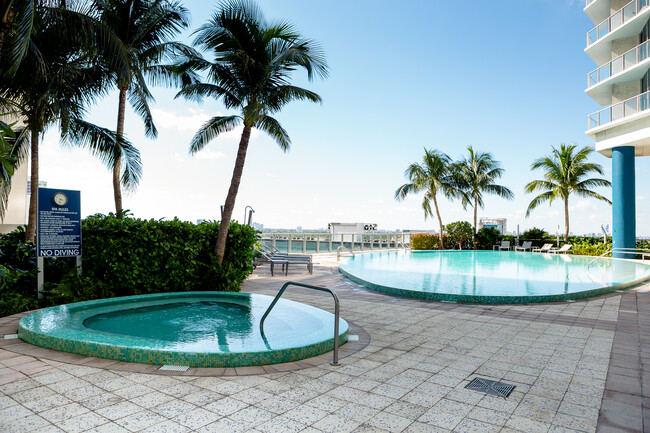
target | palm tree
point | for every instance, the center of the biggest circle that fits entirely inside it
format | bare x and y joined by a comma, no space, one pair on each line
251,71
54,83
436,175
18,17
478,173
145,28
566,173
12,143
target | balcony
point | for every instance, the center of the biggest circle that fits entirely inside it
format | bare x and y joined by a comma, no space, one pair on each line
629,67
597,10
617,26
622,110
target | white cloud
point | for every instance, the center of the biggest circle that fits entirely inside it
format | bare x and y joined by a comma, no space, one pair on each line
583,206
207,154
191,119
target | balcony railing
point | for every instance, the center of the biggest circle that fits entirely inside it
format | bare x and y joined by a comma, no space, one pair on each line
616,20
589,2
619,64
619,111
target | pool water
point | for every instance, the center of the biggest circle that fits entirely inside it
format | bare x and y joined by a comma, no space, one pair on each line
491,276
198,329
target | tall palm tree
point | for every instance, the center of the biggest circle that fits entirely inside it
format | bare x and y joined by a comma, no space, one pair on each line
251,72
478,173
13,141
18,17
436,175
566,173
54,83
145,27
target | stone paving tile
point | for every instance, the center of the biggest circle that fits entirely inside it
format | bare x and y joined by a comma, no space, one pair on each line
563,358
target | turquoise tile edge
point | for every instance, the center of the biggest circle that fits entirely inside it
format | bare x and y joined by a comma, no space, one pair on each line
470,299
131,349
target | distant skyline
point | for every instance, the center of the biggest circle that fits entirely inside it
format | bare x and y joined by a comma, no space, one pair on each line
424,74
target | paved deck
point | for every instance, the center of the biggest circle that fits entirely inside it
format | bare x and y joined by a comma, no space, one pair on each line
577,366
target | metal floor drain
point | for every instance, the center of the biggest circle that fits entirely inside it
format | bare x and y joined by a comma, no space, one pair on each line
11,336
490,387
174,367
352,337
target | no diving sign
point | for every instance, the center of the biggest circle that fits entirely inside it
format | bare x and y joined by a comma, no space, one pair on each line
59,223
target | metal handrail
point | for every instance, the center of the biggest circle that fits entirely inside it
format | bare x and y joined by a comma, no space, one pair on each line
339,249
335,361
621,250
615,20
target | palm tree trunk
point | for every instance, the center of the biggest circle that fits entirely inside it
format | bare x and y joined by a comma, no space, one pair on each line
33,189
566,219
117,189
232,194
475,213
435,204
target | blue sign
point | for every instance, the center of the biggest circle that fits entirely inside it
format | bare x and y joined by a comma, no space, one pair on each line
59,223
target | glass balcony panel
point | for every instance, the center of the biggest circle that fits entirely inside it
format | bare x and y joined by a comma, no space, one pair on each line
629,58
605,116
592,36
603,72
617,66
593,78
593,120
616,20
617,112
603,29
630,107
629,11
644,51
642,4
644,101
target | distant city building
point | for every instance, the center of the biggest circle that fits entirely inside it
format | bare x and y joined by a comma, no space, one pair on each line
258,226
339,230
497,223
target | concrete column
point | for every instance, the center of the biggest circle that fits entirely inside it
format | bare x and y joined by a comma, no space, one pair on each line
623,199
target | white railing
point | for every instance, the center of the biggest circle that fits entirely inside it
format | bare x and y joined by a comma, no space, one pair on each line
328,242
619,64
617,19
589,2
618,111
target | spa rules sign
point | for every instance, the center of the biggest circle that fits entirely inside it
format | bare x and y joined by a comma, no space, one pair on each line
59,223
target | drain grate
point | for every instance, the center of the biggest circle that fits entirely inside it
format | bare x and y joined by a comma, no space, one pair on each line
490,387
11,336
174,367
352,337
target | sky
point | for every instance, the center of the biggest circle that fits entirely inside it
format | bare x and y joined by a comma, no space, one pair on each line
506,77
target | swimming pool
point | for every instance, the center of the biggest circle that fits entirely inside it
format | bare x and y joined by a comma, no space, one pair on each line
491,276
195,329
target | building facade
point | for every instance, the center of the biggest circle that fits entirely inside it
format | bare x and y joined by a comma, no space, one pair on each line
619,44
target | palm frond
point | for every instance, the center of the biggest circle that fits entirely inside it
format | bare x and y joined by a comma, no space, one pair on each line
211,130
272,127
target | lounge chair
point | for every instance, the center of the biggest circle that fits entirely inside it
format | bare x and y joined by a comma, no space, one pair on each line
505,245
526,246
545,249
565,248
274,252
275,260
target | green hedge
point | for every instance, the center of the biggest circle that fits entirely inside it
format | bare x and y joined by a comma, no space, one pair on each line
132,256
126,256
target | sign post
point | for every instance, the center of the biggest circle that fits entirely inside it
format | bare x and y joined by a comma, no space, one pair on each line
58,227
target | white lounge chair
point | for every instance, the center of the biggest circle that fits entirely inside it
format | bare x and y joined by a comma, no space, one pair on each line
526,246
545,249
505,245
565,248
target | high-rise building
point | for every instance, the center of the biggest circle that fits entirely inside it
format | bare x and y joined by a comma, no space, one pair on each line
620,45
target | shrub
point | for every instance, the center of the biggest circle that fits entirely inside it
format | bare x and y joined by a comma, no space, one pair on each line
534,234
487,237
424,241
460,234
132,256
126,256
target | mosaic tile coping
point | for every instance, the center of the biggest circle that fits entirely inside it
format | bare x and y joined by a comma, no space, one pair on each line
61,328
